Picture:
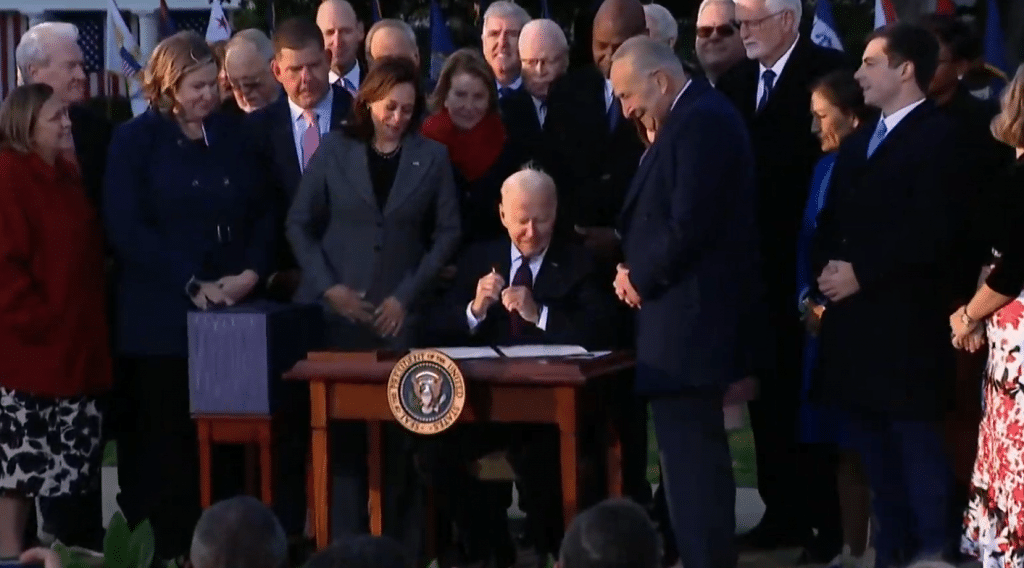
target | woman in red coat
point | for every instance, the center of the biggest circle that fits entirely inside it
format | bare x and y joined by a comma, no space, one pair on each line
53,329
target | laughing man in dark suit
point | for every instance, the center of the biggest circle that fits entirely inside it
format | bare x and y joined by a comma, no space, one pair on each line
690,272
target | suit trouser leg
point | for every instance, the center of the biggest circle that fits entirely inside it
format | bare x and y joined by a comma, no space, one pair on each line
697,469
910,481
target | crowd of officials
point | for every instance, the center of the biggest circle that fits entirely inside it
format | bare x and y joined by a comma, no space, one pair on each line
839,233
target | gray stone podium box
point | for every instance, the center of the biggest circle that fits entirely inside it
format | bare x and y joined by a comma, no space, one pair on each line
236,355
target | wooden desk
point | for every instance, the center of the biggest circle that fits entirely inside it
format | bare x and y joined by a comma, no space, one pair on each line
552,391
250,431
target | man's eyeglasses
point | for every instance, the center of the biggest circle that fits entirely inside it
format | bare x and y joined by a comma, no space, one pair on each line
725,30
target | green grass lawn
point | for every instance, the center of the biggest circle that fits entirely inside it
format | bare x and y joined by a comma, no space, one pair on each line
741,442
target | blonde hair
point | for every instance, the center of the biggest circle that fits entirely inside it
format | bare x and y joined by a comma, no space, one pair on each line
173,59
470,61
19,115
1008,125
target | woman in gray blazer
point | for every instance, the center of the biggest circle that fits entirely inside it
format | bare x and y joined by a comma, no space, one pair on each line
376,215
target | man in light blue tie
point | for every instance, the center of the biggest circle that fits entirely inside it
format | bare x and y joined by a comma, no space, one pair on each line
886,258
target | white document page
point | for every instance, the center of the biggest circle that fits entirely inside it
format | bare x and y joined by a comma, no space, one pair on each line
468,352
542,350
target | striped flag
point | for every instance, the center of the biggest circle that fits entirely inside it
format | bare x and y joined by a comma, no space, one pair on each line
122,56
885,13
12,26
167,27
219,28
441,44
823,30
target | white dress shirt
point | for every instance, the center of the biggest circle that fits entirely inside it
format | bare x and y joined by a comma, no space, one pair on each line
323,112
352,76
779,66
517,260
893,119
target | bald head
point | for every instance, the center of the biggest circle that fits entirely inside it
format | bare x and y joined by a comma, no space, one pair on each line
247,62
343,32
391,38
544,52
615,22
528,208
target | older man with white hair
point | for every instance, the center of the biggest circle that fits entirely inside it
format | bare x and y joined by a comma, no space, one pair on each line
247,60
544,53
688,280
718,44
502,23
49,53
772,91
391,37
661,24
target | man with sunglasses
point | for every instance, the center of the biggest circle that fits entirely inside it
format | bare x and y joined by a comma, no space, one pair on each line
772,91
718,45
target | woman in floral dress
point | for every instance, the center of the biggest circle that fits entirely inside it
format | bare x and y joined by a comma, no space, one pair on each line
994,520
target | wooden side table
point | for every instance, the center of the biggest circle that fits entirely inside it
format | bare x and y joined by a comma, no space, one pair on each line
252,431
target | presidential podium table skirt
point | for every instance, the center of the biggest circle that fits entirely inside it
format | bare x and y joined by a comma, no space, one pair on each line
354,386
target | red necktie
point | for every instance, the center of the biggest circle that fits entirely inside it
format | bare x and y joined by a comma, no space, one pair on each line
523,277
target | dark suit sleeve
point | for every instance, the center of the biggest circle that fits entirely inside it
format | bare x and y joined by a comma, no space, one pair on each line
447,323
446,235
263,217
584,317
928,230
307,217
131,233
694,206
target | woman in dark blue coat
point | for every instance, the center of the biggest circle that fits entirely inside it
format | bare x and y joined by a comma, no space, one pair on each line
189,226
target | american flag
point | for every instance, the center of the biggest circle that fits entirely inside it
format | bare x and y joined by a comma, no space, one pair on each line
12,25
91,40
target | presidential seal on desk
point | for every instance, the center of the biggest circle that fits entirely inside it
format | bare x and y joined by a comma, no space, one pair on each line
426,392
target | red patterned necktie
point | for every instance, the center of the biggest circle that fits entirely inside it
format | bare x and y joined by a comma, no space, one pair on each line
523,277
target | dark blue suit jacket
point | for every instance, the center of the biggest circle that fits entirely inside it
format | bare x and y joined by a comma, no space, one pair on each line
176,209
689,239
271,131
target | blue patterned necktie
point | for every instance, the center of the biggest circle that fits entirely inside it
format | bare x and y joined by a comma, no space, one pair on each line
877,137
769,83
522,277
349,85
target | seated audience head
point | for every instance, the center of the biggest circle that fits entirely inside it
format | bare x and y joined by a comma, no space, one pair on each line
544,53
502,23
768,27
661,24
718,44
647,76
466,89
528,207
219,49
49,53
34,119
615,22
362,551
301,64
391,38
837,108
615,533
181,78
389,101
342,32
1008,125
248,60
237,532
959,49
898,64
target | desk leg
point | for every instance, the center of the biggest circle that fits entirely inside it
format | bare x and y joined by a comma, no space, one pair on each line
320,445
567,421
374,469
614,459
205,474
267,464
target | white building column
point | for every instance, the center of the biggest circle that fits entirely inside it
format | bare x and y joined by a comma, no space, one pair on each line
149,31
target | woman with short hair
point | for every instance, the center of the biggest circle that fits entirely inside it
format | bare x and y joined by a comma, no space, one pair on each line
190,225
55,356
